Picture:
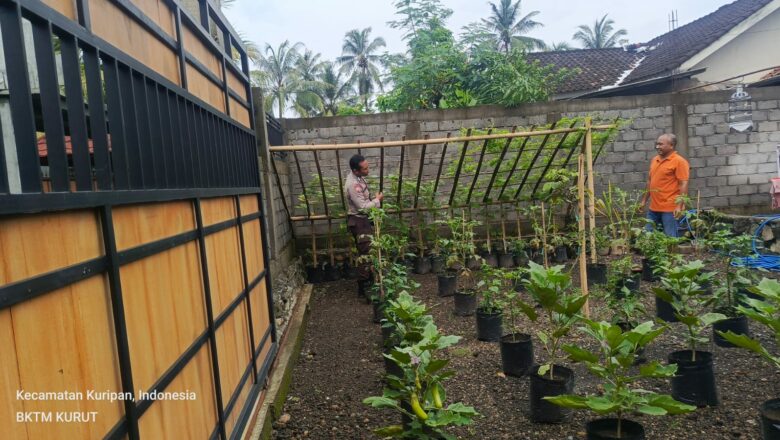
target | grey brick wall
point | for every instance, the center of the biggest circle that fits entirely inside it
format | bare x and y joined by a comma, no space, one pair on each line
728,170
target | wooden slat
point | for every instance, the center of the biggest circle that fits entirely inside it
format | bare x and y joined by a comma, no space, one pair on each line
159,12
164,309
224,257
233,350
9,379
260,316
217,210
236,85
205,56
73,351
185,418
254,249
113,25
45,242
239,113
135,225
200,86
248,204
64,7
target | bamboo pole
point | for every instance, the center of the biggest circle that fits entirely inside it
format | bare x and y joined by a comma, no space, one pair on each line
544,239
412,142
591,190
503,227
581,229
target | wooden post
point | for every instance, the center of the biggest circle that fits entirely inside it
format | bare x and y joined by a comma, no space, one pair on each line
503,227
544,239
313,244
591,190
581,229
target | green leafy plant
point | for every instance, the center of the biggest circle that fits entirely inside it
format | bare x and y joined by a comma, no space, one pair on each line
655,246
620,208
729,246
765,311
617,352
493,286
618,272
514,306
551,290
627,308
682,287
459,246
418,392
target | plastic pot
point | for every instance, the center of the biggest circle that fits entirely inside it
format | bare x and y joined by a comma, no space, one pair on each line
561,254
517,354
606,429
330,272
422,265
694,383
738,325
506,260
521,259
633,282
313,274
474,263
647,270
379,310
465,302
597,273
349,272
664,310
770,419
448,282
489,325
562,382
490,259
437,263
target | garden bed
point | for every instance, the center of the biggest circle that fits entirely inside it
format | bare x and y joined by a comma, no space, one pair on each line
341,363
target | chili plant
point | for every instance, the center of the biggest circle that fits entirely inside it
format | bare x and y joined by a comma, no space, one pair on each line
617,352
682,287
729,246
493,286
551,289
765,311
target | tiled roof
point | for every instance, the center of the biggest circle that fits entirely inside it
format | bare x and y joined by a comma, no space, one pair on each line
598,67
674,48
657,58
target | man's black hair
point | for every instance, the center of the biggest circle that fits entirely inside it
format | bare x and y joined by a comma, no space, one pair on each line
354,162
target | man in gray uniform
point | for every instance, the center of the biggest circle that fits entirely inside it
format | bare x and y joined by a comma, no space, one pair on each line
358,199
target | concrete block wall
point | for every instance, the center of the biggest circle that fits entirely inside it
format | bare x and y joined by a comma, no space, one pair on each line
729,170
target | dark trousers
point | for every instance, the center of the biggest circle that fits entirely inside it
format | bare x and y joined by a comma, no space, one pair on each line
663,219
361,230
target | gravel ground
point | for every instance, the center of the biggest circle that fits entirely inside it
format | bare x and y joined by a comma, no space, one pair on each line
341,363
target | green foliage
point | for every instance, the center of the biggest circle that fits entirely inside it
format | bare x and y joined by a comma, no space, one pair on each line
617,273
551,290
617,352
601,35
459,247
682,287
655,246
418,392
494,287
620,208
764,311
728,246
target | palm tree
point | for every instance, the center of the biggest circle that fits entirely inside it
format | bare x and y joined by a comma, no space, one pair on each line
509,28
558,47
601,35
278,75
307,70
359,60
334,89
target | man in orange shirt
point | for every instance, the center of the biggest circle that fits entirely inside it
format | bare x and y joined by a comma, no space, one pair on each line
669,173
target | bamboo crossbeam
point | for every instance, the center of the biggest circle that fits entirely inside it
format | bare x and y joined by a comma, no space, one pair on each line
413,142
498,166
420,173
514,165
460,165
552,158
441,164
479,168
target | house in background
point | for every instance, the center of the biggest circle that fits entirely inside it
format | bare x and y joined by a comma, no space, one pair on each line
738,43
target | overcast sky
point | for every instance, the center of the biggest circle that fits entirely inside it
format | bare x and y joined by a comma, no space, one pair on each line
321,24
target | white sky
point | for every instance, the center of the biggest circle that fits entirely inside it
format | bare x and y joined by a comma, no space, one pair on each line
321,24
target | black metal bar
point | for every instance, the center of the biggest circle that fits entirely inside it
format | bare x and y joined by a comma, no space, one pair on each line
118,155
174,140
120,326
498,166
322,184
479,168
119,431
210,317
533,161
180,48
156,147
552,158
441,165
21,291
263,225
3,169
133,150
148,249
246,289
225,87
460,166
171,160
203,145
517,160
200,67
20,101
187,144
244,415
281,189
213,151
82,10
419,173
234,395
77,120
51,202
50,105
244,103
